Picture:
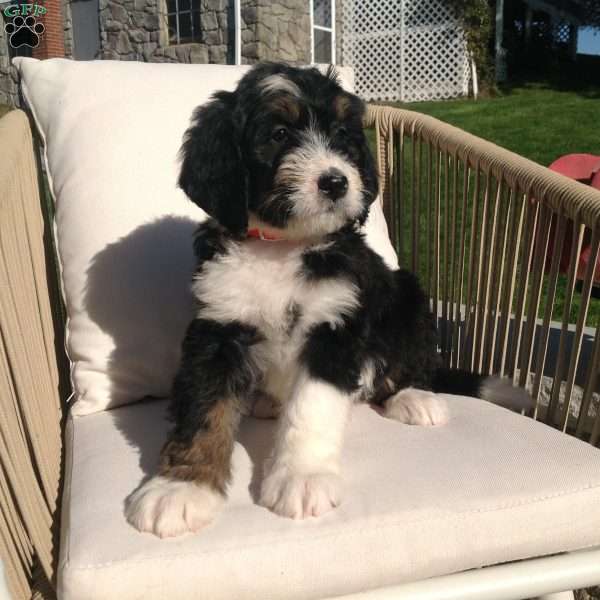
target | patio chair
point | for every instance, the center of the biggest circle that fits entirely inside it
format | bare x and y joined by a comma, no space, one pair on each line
493,505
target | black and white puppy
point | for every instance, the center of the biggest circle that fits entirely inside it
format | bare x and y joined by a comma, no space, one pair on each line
295,314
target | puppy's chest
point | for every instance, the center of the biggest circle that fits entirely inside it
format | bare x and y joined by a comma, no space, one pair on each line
266,285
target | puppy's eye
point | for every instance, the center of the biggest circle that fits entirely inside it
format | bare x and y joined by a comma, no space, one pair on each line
280,134
342,131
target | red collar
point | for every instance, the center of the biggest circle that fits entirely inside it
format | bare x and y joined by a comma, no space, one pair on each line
263,235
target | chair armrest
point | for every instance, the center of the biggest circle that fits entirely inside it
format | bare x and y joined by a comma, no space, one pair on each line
30,355
485,229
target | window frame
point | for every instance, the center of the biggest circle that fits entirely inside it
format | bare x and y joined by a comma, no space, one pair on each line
330,30
195,39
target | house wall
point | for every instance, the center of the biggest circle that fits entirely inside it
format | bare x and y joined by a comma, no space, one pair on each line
276,31
68,28
9,91
339,25
8,78
52,43
137,30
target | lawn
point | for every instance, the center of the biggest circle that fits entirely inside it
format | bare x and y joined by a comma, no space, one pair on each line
539,120
534,120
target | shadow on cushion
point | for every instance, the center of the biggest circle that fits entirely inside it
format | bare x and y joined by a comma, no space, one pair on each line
138,293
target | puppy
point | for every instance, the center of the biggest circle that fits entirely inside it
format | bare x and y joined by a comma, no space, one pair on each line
295,313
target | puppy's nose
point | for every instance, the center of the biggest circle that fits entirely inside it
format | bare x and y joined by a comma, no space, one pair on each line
333,184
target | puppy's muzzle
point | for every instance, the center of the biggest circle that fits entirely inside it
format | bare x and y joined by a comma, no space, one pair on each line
333,184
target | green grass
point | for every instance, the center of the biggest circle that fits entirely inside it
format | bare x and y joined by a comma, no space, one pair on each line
534,120
540,121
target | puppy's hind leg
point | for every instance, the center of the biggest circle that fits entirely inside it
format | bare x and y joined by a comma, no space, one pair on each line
416,407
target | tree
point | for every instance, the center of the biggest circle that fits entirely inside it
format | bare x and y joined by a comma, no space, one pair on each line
478,24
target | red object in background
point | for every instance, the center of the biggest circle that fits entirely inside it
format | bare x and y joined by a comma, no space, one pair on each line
585,168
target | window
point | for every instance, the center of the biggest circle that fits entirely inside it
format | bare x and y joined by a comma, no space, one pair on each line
183,18
322,14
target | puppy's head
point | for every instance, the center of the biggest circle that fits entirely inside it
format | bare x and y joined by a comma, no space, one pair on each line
285,150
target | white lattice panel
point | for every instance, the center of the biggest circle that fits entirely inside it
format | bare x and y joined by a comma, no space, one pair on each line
404,49
371,44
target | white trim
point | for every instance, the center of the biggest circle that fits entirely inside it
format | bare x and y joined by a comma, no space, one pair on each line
312,31
474,80
331,30
333,58
238,31
511,581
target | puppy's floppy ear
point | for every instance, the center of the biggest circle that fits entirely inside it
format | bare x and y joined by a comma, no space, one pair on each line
213,174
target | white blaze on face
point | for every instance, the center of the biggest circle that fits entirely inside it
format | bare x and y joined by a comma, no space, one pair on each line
313,213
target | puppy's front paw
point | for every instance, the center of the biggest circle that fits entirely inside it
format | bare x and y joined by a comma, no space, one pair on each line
168,507
417,407
300,495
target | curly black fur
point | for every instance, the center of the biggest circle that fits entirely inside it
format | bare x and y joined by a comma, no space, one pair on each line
216,365
229,156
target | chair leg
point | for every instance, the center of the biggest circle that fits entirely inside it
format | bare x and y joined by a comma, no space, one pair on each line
558,596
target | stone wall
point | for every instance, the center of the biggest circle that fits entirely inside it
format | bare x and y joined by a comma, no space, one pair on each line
339,30
9,89
68,28
8,77
137,30
276,31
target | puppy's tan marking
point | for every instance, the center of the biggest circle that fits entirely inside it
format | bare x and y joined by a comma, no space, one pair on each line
285,106
342,106
207,459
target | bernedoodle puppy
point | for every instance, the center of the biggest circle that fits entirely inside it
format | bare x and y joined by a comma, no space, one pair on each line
295,313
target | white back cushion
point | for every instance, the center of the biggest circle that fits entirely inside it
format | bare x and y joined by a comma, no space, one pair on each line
112,132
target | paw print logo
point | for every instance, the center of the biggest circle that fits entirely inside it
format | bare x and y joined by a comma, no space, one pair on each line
24,32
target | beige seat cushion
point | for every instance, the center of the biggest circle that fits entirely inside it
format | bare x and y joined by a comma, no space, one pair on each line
489,487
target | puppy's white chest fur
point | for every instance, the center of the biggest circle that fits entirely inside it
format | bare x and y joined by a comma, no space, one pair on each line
254,282
263,284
